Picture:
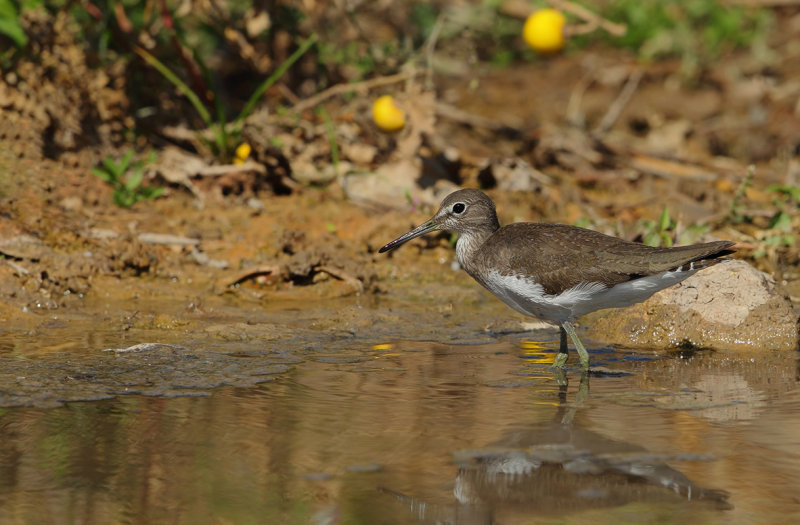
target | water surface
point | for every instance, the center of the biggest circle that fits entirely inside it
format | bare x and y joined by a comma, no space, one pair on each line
403,433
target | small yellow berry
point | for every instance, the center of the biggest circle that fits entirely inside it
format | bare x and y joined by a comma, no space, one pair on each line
544,31
387,115
242,153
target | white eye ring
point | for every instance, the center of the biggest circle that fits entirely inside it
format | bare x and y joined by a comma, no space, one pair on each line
458,208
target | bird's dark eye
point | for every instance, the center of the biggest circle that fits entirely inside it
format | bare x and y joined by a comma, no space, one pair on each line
459,207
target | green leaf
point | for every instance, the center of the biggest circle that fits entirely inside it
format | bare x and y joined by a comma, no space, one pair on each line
150,192
278,73
112,168
125,162
790,191
780,221
12,29
101,174
664,223
652,239
124,199
194,99
9,23
134,180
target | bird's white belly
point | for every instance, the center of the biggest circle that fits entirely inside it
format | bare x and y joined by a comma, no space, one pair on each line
528,297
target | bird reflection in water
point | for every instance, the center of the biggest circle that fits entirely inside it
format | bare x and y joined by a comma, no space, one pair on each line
559,468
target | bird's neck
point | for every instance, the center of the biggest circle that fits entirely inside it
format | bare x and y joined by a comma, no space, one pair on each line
470,242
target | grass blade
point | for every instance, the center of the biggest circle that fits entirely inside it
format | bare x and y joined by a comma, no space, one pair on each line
278,73
331,138
177,82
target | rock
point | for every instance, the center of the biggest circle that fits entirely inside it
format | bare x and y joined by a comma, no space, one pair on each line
359,153
385,187
511,174
305,172
395,186
727,307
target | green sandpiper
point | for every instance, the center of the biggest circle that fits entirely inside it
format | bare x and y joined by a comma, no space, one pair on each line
556,272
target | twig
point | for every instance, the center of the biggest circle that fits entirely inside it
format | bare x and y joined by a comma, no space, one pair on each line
226,169
167,238
670,168
459,115
590,17
17,267
619,104
574,114
760,3
522,9
248,273
340,89
430,49
354,283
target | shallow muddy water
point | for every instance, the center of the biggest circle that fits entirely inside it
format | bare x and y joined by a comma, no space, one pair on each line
392,433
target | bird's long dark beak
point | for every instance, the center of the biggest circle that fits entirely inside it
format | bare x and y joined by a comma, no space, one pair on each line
422,229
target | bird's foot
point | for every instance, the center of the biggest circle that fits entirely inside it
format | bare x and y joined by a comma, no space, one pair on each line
561,360
583,355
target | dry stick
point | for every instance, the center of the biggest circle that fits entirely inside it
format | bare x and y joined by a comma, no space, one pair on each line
247,273
584,14
760,3
340,89
619,104
430,48
288,93
17,267
464,117
574,114
352,281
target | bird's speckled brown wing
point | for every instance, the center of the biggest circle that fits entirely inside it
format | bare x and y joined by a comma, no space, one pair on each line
560,256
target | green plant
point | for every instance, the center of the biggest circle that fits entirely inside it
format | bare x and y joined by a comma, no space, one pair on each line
660,232
353,54
735,214
227,134
125,177
697,31
778,235
9,22
792,193
780,231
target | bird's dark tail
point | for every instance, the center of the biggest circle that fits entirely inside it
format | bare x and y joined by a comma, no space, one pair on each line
714,253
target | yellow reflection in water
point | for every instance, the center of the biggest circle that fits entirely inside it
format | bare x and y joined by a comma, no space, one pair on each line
532,350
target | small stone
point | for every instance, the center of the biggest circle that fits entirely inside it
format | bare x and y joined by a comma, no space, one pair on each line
72,203
728,307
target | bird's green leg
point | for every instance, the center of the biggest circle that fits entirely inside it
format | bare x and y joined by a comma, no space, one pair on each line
580,396
583,355
583,388
561,380
561,358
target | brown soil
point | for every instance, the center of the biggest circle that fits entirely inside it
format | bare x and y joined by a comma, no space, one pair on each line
293,230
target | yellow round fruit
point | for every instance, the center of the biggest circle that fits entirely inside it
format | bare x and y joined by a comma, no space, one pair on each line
544,31
242,153
387,115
